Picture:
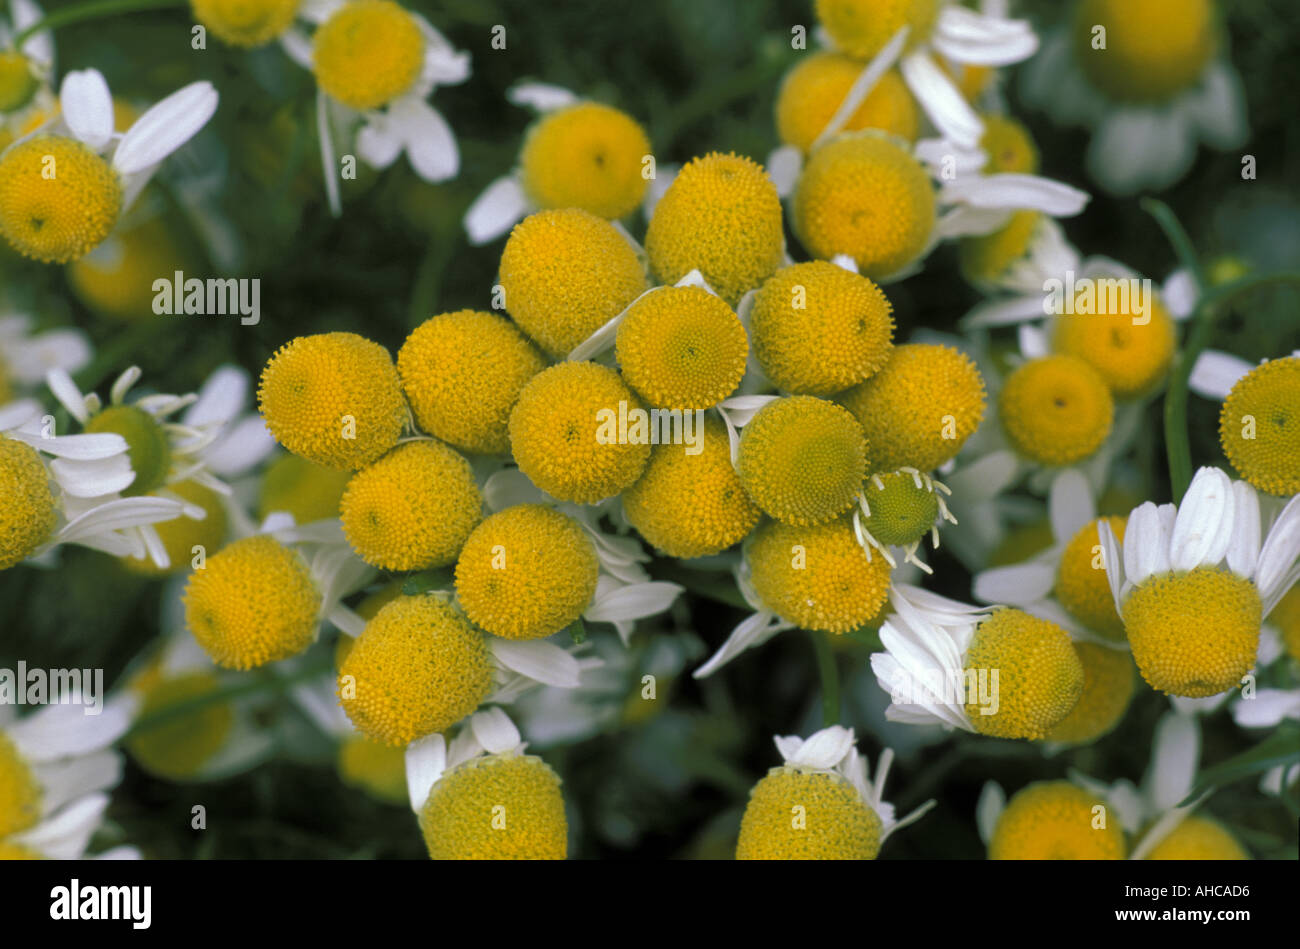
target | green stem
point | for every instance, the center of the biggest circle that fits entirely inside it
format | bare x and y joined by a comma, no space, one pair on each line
1178,239
92,11
829,678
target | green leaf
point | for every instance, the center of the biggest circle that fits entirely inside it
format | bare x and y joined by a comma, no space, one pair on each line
1280,748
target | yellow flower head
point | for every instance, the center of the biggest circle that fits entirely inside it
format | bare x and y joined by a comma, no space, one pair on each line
1259,426
148,445
372,766
182,534
28,514
462,373
794,814
862,28
722,217
903,509
305,489
18,82
1054,820
1154,49
1286,617
368,53
1108,686
1131,358
1009,147
246,23
812,91
565,274
987,257
333,398
20,792
1056,410
1198,838
118,281
819,329
526,572
177,747
1081,584
587,156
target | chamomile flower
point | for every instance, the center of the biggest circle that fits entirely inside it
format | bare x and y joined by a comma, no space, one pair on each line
376,64
578,154
821,803
481,797
56,766
24,71
1048,820
1150,79
248,23
26,356
900,509
66,186
1195,582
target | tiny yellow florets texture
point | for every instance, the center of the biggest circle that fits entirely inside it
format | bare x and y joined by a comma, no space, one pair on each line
177,747
986,258
1008,146
566,274
722,217
413,508
18,82
148,446
58,199
1286,617
691,505
1193,634
1081,584
252,603
565,433
181,535
527,572
246,23
333,398
682,348
819,329
305,489
818,578
587,156
802,459
865,196
27,515
462,373
1056,410
1259,426
920,408
1039,676
803,815
902,511
1054,820
417,668
20,792
1198,838
497,807
1131,359
368,53
813,90
862,28
1109,681
1154,49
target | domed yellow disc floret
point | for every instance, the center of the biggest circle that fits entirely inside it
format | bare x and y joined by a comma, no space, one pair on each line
1193,634
178,746
920,408
802,459
20,792
819,329
182,534
587,156
1054,820
862,28
1008,146
1131,359
865,196
988,257
246,23
58,199
1108,686
18,81
1286,617
333,398
527,572
417,668
1039,676
690,503
462,373
413,508
565,432
813,91
1055,410
118,281
376,768
903,509
1259,426
305,489
1081,584
807,815
1154,49
27,514
682,348
496,807
253,603
1198,838
817,577
566,274
368,53
147,444
722,217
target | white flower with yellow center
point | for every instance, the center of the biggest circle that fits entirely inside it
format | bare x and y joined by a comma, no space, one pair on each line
1195,582
376,64
24,72
1150,79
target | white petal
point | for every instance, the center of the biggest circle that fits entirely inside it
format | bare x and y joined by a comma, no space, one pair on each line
1145,549
70,778
1070,505
297,46
969,37
69,396
1017,586
941,100
166,127
825,749
94,446
541,96
539,660
783,167
1215,373
1267,708
1004,312
40,45
426,759
753,630
1016,192
1278,555
66,835
1243,544
509,487
1203,527
494,730
1114,561
1033,341
992,802
787,745
1219,108
633,601
880,64
60,731
430,144
379,143
1140,148
1180,294
1176,749
87,107
496,210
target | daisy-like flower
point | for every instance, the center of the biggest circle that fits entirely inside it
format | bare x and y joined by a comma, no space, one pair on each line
25,356
250,23
376,64
578,154
65,186
821,803
1194,582
1048,820
899,509
25,71
56,766
1150,79
486,762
